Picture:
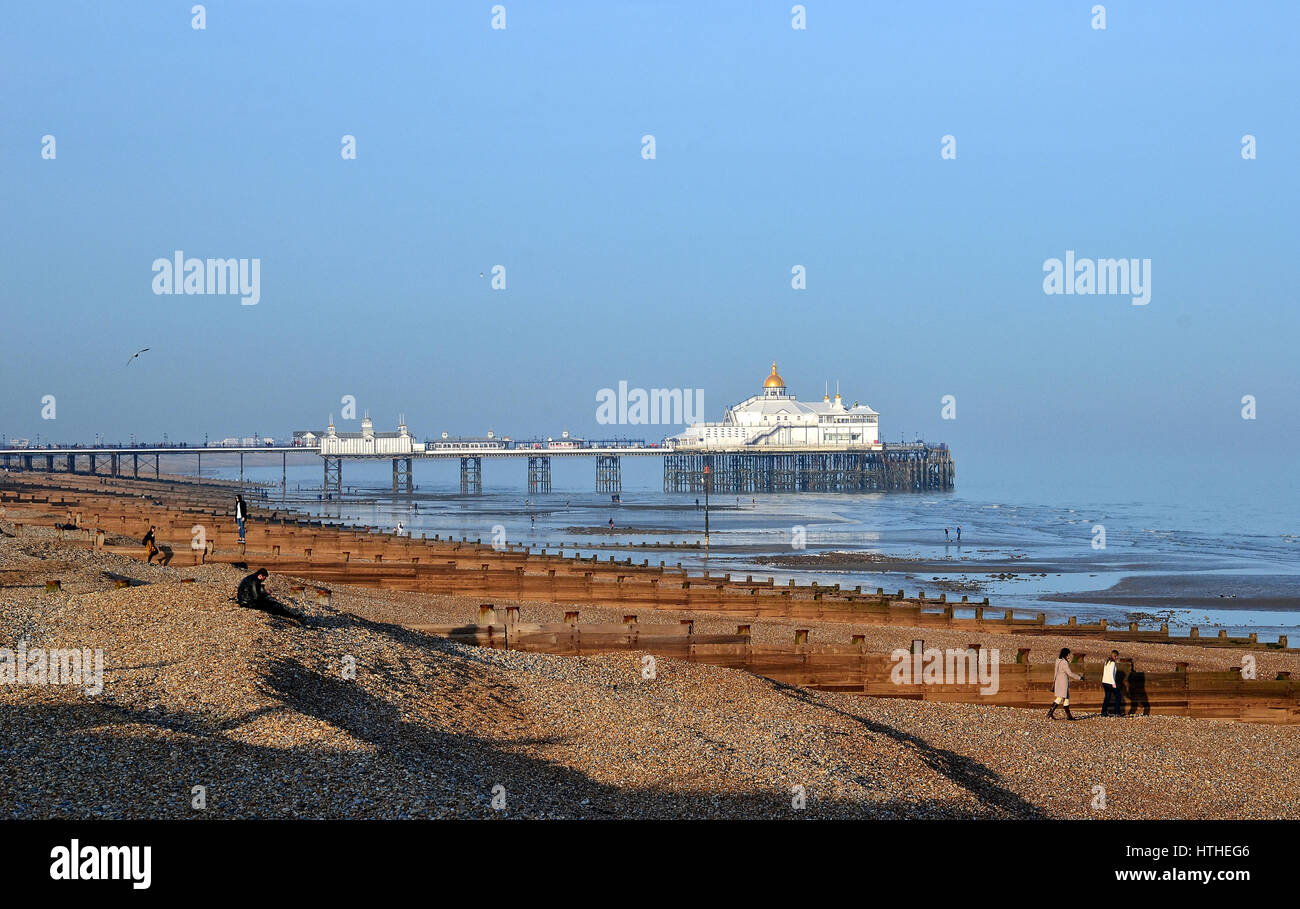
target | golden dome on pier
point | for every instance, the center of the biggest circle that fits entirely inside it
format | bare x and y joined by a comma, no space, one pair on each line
774,380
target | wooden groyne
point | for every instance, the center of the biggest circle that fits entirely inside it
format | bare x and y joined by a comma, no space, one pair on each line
851,668
197,527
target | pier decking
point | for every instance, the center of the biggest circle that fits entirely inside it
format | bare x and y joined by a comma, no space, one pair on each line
914,467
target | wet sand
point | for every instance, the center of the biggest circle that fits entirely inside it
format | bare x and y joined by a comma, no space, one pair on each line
1207,591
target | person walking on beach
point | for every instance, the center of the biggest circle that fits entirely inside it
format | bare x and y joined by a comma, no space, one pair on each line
1061,684
958,533
1110,685
241,514
946,535
611,525
150,544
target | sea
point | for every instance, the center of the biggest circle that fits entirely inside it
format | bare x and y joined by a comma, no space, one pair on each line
1184,542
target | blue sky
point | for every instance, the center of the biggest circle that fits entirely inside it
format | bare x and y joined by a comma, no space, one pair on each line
775,147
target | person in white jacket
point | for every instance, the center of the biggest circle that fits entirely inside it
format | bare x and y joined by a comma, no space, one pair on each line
1061,684
1110,685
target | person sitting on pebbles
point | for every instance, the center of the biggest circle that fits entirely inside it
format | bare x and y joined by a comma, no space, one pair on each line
252,595
1061,684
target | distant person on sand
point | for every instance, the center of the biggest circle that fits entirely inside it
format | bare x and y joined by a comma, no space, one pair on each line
241,514
401,531
958,533
1110,685
150,544
611,525
252,595
1061,684
946,535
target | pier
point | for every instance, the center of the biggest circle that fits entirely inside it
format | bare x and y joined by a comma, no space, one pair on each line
905,467
915,467
770,442
886,467
112,461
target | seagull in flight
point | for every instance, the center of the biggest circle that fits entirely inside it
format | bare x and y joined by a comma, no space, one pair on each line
134,355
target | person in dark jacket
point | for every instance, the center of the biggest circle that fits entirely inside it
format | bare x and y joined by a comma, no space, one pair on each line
251,590
1110,685
252,595
150,544
241,515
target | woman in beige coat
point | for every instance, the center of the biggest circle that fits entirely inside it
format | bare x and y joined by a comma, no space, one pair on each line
1061,684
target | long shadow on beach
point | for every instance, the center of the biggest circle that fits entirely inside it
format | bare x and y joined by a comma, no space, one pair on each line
966,772
106,758
74,761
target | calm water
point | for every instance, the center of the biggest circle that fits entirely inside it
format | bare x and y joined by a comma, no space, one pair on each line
1187,544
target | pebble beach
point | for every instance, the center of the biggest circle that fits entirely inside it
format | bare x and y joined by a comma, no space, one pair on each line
357,716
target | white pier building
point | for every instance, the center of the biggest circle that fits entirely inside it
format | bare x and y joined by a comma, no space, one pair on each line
368,443
776,420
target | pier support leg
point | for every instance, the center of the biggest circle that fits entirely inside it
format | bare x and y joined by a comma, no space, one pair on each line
910,467
539,475
156,471
471,476
49,463
333,472
402,476
609,474
135,466
241,468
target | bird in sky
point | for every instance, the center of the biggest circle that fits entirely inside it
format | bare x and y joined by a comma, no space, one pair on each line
134,355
